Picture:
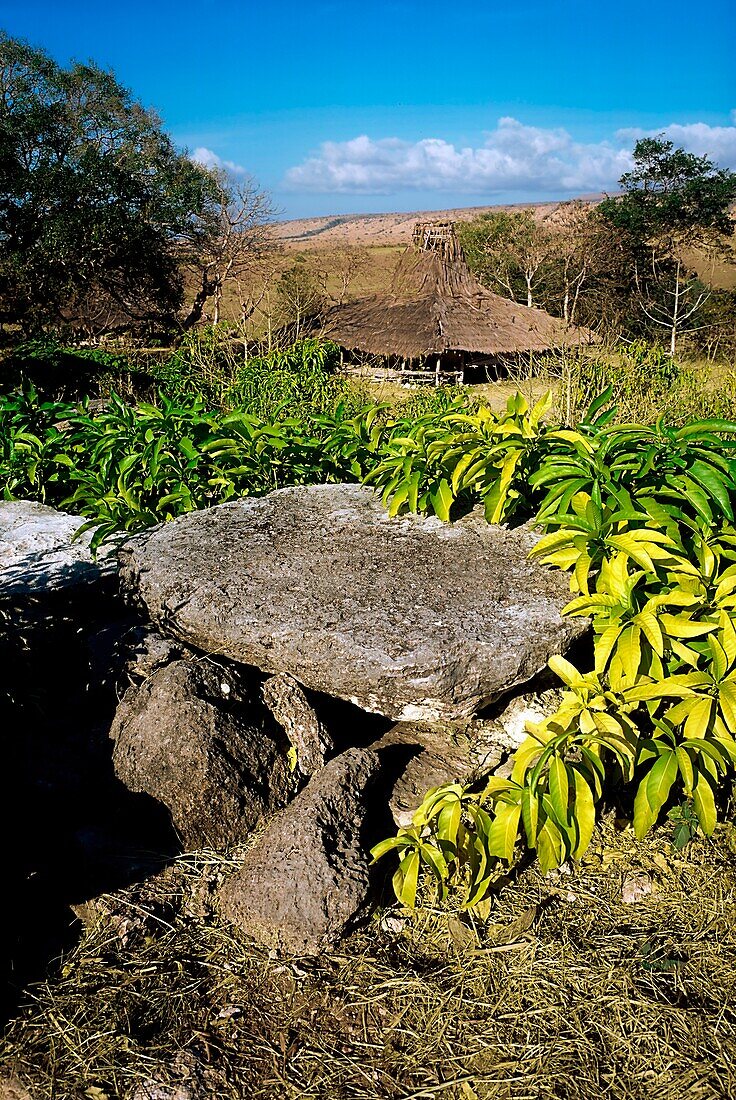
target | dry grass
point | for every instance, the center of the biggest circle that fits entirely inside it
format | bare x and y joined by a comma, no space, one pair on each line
570,993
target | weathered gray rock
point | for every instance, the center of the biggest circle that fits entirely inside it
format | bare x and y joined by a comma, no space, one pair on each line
288,704
421,757
503,733
426,756
307,879
194,738
410,618
37,554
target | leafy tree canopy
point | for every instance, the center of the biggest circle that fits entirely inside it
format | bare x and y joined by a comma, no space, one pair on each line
95,200
670,193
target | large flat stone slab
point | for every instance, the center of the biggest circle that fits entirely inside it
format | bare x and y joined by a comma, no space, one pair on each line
38,551
411,618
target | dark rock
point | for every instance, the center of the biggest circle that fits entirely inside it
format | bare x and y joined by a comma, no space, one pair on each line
307,879
38,552
410,618
146,651
197,739
288,704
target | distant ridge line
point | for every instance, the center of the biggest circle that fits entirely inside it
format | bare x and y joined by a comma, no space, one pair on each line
394,228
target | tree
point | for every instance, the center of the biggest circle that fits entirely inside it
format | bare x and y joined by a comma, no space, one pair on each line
579,252
509,252
301,298
226,241
672,200
346,263
96,204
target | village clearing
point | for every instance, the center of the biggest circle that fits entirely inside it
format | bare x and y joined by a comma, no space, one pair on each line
616,979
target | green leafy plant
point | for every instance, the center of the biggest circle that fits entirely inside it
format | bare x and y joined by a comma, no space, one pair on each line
124,467
641,517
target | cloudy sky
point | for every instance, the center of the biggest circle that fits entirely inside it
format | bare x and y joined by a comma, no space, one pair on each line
340,107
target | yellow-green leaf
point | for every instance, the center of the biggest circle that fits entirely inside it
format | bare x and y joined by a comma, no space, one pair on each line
406,878
685,765
566,671
504,831
559,789
583,813
704,803
551,848
530,815
699,717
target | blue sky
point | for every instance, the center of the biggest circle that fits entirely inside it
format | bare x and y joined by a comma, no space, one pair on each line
376,106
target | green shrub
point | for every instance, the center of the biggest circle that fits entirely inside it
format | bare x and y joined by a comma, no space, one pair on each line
125,467
644,380
302,380
643,519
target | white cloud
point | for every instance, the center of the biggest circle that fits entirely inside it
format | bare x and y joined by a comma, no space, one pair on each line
716,142
210,159
512,158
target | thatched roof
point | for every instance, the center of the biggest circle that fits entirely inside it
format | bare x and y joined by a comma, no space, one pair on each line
435,305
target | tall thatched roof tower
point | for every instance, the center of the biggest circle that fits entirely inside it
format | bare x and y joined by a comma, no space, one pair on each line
437,313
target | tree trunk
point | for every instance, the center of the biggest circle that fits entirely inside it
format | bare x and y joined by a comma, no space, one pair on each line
206,290
675,313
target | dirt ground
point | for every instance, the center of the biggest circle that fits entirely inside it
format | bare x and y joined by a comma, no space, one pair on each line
615,978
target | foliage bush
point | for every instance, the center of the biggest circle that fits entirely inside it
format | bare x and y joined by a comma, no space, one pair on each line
125,467
642,517
287,419
302,379
644,379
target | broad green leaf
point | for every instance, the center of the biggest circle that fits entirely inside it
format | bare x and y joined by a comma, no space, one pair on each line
727,703
583,810
700,715
448,821
393,842
629,650
649,624
653,792
704,803
644,815
442,498
604,647
530,815
551,847
660,779
566,671
504,831
677,626
685,766
558,781
406,879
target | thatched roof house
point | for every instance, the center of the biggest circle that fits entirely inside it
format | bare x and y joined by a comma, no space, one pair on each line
438,315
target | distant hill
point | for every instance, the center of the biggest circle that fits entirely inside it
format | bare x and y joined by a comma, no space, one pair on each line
387,233
384,229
